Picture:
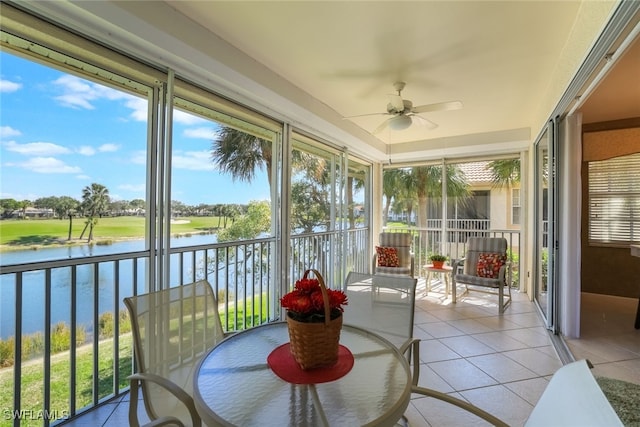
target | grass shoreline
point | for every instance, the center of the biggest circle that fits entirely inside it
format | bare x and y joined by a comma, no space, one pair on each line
35,234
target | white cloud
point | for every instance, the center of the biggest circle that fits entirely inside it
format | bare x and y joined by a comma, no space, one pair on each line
184,118
8,132
78,93
7,86
83,177
192,160
36,148
136,188
139,158
108,148
86,150
203,133
47,165
140,108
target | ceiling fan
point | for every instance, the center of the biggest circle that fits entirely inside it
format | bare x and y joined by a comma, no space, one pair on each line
404,114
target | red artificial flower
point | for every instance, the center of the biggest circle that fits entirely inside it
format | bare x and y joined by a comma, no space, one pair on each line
305,302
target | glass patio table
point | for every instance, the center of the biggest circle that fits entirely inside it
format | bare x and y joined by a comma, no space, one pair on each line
234,384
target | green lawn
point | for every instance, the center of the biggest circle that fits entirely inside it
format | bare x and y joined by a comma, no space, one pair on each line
42,232
33,370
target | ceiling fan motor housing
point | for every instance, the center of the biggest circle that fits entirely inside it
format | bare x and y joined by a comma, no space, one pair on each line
408,105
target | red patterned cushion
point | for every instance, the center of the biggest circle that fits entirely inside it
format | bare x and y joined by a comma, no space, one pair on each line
387,256
489,264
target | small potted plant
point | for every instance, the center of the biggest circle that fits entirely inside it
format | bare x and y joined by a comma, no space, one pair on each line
438,260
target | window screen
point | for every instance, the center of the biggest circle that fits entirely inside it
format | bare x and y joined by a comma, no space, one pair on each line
614,201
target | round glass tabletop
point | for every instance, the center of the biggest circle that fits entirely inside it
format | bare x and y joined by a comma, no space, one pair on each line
234,385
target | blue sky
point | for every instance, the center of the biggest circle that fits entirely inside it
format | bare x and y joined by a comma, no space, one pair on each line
60,133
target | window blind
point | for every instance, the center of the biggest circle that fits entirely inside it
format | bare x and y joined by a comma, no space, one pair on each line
614,201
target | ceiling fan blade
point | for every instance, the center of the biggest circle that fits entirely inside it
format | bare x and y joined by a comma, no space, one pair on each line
440,106
382,126
366,115
422,121
397,102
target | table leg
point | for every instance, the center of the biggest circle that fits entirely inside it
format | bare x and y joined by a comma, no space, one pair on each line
637,325
447,287
427,285
453,291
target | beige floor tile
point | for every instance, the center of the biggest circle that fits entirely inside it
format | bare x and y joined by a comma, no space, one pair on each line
466,346
420,316
435,351
525,320
470,326
532,337
498,323
501,368
499,341
500,402
461,374
442,414
530,390
429,379
441,329
537,361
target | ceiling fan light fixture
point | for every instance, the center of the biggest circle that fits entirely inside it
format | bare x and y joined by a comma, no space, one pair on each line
400,122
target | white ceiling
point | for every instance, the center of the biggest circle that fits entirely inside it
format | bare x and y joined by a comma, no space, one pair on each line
495,57
315,62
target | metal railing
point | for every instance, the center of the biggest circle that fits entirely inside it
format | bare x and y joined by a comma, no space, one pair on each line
427,241
79,301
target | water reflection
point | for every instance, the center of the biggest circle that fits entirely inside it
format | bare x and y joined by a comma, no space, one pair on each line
33,286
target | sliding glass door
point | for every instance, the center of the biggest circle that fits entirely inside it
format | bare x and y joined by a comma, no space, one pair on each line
545,224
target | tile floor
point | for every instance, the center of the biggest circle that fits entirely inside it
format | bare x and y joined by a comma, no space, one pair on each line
608,337
499,363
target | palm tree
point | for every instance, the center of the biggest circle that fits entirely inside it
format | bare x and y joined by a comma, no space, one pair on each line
426,182
67,206
95,199
504,173
240,154
392,181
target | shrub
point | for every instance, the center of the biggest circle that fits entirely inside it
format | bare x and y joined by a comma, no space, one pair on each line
105,325
60,337
6,352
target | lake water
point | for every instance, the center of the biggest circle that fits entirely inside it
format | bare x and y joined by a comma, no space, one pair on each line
34,291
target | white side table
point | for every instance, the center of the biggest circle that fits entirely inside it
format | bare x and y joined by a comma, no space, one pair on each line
445,272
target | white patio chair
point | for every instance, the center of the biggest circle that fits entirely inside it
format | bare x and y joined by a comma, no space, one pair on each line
486,268
385,305
400,246
172,329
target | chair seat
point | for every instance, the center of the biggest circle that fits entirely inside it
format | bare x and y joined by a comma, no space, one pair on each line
477,280
393,270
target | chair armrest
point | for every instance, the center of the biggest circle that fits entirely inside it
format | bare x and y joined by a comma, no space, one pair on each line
412,348
456,264
504,270
168,385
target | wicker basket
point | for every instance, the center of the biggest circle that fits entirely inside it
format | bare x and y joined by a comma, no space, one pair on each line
315,345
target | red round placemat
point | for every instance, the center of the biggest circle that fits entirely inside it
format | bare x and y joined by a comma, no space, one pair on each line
283,364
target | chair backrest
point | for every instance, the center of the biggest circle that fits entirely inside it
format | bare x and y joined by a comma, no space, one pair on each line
402,243
478,245
172,329
383,304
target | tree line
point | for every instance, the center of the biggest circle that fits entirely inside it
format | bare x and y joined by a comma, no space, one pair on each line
96,203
